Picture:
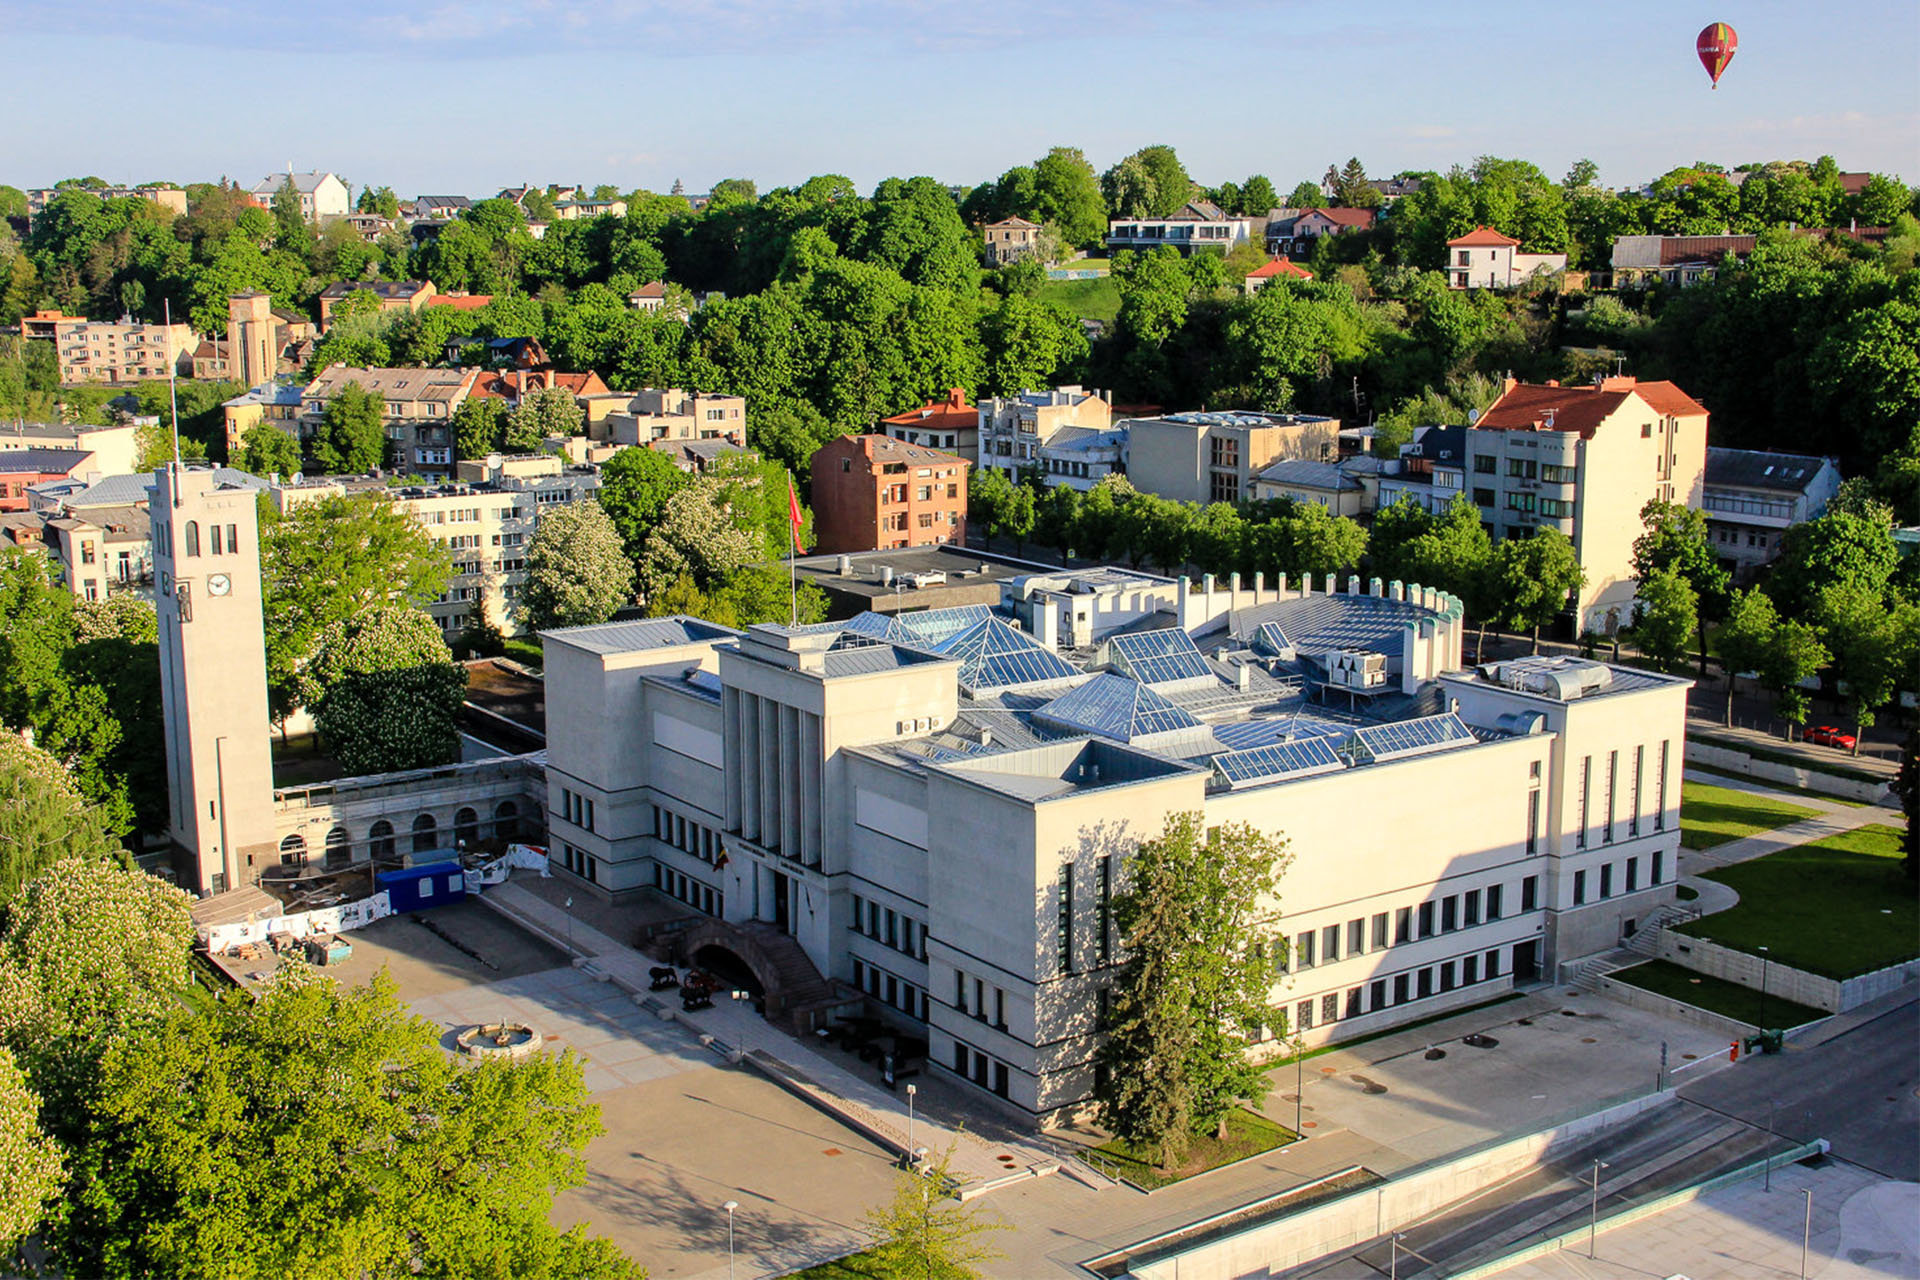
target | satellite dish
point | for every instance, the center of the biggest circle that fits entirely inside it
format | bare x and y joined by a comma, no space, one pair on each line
1473,416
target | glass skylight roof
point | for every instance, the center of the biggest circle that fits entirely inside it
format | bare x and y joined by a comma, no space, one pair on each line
1412,737
928,627
994,655
1159,657
1271,640
1281,760
1115,707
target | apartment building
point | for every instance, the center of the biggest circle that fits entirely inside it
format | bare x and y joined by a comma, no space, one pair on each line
172,199
419,405
265,342
1585,460
935,809
97,528
1752,498
950,424
485,518
114,448
21,469
1197,225
1486,259
123,350
872,491
323,196
275,402
1215,457
661,417
1065,434
388,295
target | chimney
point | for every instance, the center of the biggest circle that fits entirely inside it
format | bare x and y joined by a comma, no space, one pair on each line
845,566
1245,677
886,575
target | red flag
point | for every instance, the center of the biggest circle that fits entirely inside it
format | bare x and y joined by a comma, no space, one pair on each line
794,517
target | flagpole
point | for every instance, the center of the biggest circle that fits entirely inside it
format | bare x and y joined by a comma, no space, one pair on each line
793,559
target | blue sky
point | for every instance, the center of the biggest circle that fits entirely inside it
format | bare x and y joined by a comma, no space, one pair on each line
465,96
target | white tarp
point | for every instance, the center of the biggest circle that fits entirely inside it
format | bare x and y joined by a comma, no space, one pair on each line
518,856
341,919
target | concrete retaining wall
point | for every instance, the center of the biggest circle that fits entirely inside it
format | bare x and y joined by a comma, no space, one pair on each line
1364,1215
1797,985
1667,1007
1729,760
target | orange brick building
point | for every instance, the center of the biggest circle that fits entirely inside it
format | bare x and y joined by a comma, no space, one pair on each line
877,493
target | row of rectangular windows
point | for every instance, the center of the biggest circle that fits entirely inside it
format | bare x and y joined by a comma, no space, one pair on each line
987,1072
1612,780
1415,984
893,991
892,928
577,809
1630,876
581,863
686,835
676,884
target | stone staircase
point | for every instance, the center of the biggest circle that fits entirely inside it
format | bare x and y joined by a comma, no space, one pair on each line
1646,939
795,992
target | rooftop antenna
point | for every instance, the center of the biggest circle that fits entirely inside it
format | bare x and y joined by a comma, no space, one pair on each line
173,401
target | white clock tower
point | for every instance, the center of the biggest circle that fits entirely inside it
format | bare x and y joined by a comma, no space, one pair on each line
213,676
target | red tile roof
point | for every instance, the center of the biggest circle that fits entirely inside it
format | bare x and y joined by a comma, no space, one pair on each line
460,301
954,412
1280,267
1528,406
507,385
1483,238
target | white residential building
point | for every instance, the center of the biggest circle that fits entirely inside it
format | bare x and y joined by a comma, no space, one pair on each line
1485,259
1066,435
322,195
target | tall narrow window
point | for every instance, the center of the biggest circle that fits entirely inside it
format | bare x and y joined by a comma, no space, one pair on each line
1586,783
1660,791
1613,777
193,537
1066,917
1105,942
1633,814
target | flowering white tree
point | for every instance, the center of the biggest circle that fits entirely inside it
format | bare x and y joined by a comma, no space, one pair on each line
43,816
385,692
697,536
577,572
30,1170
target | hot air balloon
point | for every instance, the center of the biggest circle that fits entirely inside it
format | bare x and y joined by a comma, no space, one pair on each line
1716,46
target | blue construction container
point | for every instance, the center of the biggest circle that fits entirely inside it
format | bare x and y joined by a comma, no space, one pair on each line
434,884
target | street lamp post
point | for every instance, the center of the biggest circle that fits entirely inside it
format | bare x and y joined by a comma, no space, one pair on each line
1299,1080
911,1091
730,1206
569,926
1393,1257
1806,1230
1593,1221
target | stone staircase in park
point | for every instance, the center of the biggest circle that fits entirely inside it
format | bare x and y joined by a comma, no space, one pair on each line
1585,975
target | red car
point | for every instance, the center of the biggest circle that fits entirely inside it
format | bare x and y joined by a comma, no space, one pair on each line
1828,736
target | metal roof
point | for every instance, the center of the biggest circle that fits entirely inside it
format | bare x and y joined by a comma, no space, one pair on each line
1752,469
1412,737
1163,656
1115,707
641,633
1280,760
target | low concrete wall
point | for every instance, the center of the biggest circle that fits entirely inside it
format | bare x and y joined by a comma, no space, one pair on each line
1830,994
1667,1007
1365,1215
1729,760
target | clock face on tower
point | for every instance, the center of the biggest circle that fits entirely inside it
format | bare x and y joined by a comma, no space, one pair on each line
219,584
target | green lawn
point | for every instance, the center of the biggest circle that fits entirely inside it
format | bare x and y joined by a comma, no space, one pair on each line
1711,815
855,1266
1694,770
1838,908
525,649
1087,299
1715,995
1248,1134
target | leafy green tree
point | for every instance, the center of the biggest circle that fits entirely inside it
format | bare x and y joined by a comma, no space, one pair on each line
988,492
1066,194
1019,515
1872,642
1837,549
385,691
1193,916
1294,333
634,487
284,1136
696,537
914,229
1676,538
30,1163
479,426
1350,186
1305,195
334,559
1057,517
1257,196
266,450
577,572
1536,576
550,411
45,818
1029,344
380,201
1130,190
1665,614
1794,654
351,438
1746,637
1456,555
927,1233
116,651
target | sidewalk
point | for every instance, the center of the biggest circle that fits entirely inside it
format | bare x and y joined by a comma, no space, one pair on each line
1806,831
986,1154
1813,755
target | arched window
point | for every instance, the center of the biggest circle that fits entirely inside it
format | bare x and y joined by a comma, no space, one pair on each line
193,537
380,839
506,820
426,834
293,849
466,826
339,848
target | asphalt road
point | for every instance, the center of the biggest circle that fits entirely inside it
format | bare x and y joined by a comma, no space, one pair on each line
1857,1090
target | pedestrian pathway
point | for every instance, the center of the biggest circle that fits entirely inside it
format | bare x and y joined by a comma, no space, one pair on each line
1806,831
985,1154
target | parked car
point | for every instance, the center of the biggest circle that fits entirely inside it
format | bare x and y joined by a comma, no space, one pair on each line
1828,736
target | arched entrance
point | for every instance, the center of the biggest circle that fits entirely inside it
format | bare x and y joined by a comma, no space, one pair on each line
755,956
